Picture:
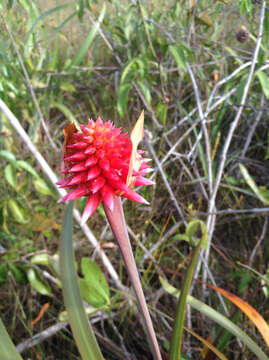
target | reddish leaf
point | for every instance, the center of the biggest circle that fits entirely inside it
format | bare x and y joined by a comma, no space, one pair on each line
252,314
207,344
69,129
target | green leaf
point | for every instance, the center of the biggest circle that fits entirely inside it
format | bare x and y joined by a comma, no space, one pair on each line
179,237
126,70
251,183
89,309
55,264
24,165
145,90
264,81
204,19
81,328
266,29
40,259
17,212
10,175
179,56
37,283
87,43
234,55
80,9
94,287
231,180
7,348
246,6
194,231
18,272
162,112
10,3
142,65
67,113
3,273
197,229
123,97
20,164
8,156
245,280
42,187
189,53
67,87
240,89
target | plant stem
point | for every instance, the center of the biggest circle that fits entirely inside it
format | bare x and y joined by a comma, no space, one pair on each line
176,341
117,222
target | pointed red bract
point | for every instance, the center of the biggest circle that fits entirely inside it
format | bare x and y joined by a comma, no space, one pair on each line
108,196
91,161
78,167
90,207
140,180
94,172
75,194
97,184
76,157
97,160
77,146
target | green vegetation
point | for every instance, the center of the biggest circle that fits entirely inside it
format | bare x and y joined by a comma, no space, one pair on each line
199,69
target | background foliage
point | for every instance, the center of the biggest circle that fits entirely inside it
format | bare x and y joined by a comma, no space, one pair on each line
68,61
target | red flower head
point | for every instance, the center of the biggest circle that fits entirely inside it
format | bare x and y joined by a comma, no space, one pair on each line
101,163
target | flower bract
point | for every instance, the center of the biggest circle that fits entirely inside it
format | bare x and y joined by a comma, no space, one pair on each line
97,163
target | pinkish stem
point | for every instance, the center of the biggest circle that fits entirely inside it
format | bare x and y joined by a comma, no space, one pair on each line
117,222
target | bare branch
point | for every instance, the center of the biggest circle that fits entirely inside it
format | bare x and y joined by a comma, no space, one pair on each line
168,187
261,238
234,124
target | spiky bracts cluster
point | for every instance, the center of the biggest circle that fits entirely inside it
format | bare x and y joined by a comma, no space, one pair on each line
96,165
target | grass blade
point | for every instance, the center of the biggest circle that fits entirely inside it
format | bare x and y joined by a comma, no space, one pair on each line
60,27
207,344
47,13
87,43
67,113
81,328
176,341
251,183
8,350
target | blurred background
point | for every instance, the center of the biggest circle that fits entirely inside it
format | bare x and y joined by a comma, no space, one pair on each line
185,62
